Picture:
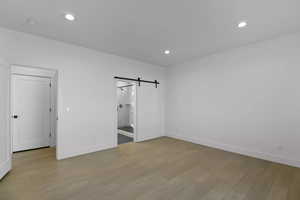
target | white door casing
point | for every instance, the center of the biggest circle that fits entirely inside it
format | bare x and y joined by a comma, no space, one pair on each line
149,112
5,137
31,103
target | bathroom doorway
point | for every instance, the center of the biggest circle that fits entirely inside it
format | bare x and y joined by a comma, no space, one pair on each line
126,109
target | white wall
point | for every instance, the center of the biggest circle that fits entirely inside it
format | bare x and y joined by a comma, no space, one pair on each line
85,85
245,100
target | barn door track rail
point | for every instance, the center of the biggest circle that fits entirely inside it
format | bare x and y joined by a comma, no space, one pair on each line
139,80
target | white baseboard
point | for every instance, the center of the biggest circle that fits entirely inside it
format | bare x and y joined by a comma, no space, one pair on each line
4,168
82,151
239,150
149,138
128,134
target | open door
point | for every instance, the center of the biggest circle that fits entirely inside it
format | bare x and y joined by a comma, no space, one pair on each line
5,138
149,112
31,125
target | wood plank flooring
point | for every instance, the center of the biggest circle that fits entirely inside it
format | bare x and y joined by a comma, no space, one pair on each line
163,169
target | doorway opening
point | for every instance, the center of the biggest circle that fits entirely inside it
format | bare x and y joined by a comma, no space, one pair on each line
126,111
33,109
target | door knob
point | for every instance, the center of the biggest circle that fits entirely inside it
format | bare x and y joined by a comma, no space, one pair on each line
15,116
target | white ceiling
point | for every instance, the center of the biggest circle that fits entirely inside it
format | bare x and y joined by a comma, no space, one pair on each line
143,29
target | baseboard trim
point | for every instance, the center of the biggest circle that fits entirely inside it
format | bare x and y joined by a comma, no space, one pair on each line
149,138
61,156
4,168
238,150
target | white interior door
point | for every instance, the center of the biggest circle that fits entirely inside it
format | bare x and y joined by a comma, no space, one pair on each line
149,112
5,137
31,112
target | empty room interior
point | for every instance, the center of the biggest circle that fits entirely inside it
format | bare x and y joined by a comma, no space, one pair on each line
149,100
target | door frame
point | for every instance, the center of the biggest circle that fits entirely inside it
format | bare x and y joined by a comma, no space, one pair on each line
135,132
42,73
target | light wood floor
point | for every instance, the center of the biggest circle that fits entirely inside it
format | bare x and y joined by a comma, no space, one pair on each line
163,169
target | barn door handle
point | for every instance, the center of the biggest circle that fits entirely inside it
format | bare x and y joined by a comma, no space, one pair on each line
15,116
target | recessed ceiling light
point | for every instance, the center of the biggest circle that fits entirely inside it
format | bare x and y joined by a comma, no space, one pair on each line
242,24
69,17
167,52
